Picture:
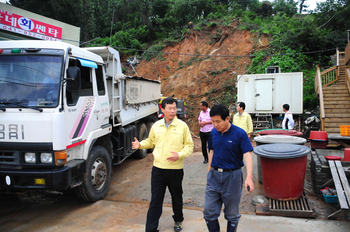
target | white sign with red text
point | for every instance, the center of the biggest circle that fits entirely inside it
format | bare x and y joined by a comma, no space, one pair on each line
29,27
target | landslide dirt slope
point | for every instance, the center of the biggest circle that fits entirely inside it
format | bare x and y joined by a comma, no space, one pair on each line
187,74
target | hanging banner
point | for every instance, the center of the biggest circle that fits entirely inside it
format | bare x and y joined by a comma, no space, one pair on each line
29,27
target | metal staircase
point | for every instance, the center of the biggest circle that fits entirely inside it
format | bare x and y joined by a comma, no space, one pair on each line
262,121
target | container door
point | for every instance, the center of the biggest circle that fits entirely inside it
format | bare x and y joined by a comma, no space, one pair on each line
263,94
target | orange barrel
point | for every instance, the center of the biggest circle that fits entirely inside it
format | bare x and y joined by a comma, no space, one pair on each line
283,168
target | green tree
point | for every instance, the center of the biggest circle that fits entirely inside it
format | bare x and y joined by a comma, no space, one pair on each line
288,7
244,5
265,9
333,15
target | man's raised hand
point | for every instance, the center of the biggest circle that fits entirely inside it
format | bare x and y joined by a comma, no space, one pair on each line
135,144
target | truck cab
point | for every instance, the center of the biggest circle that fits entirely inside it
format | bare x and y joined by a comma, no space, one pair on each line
63,121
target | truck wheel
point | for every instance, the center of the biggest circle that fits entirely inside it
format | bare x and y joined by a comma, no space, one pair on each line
142,133
97,176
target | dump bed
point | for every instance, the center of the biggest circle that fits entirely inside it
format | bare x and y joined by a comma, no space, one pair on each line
131,98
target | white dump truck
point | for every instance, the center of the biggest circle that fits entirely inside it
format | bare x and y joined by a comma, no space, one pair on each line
67,114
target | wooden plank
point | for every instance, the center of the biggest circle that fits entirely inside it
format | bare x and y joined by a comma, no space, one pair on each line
337,102
343,121
333,124
332,130
335,106
338,98
334,80
337,115
344,144
342,91
341,196
333,87
328,70
343,180
340,113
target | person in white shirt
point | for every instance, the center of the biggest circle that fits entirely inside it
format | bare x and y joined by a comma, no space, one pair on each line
288,121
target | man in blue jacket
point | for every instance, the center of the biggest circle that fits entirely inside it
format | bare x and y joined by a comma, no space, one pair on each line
229,144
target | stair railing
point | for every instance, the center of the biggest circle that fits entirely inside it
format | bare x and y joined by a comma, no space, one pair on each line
319,93
329,76
347,77
347,53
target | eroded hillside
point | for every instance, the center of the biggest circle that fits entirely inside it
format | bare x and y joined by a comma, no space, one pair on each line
204,66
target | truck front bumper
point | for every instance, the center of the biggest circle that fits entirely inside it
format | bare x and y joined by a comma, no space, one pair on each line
55,179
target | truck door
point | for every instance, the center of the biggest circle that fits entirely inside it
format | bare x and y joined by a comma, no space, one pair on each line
263,94
87,109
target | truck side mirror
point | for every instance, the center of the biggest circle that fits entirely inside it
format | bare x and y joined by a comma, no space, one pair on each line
73,79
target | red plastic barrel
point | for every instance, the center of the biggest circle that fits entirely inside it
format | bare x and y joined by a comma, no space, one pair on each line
347,154
319,135
318,139
283,169
272,139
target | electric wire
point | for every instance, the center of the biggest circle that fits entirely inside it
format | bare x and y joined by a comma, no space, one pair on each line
207,55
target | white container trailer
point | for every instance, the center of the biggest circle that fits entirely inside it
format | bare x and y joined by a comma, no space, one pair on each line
266,93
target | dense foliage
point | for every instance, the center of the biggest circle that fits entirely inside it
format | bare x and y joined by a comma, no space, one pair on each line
299,41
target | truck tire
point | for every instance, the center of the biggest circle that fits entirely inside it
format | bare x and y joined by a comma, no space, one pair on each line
142,133
97,176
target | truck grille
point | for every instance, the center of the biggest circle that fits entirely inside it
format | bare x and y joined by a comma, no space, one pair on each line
9,158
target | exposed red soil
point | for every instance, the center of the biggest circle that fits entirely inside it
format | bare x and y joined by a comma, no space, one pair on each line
192,77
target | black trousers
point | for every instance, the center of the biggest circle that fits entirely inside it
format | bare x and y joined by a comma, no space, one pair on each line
160,179
204,139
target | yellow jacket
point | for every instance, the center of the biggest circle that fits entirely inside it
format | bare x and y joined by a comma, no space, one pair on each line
244,122
176,138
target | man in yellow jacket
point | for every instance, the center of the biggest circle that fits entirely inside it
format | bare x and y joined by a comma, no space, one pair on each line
242,119
172,140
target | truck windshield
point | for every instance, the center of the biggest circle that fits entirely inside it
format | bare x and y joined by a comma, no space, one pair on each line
29,80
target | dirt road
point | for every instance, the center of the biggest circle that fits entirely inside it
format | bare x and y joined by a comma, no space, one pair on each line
127,201
131,182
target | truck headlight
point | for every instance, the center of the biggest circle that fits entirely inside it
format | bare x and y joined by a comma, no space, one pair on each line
46,158
30,158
